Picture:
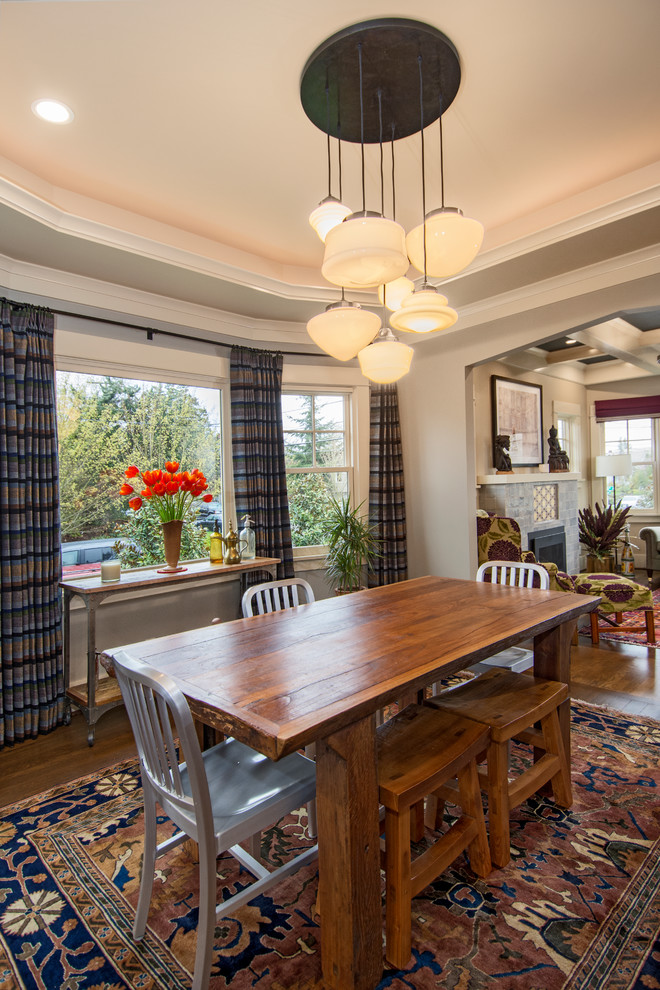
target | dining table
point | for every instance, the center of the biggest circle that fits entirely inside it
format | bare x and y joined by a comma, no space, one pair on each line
319,673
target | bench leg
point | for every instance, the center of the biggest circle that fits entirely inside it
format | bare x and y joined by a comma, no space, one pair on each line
650,626
595,638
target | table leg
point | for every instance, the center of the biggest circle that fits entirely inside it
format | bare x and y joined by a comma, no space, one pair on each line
552,660
349,858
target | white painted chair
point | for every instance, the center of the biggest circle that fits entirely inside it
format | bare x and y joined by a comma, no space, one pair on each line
219,797
519,575
514,573
273,596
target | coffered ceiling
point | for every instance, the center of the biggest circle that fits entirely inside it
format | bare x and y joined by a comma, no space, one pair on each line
190,168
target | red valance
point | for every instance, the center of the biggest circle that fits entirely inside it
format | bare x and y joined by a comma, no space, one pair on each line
636,407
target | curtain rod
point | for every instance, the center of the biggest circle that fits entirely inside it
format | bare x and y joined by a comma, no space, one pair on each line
150,331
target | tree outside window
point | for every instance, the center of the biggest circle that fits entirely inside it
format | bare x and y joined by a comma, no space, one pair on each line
316,446
636,437
106,424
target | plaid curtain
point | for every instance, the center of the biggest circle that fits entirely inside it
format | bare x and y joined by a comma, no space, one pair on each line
32,698
387,503
257,440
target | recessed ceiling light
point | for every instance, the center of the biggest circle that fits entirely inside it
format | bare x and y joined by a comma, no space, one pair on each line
53,111
569,340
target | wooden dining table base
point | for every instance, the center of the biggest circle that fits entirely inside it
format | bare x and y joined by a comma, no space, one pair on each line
349,857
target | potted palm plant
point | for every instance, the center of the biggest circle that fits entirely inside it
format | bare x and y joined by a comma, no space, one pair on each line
352,545
600,531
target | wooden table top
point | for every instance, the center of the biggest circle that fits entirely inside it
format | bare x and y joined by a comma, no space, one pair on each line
133,579
280,681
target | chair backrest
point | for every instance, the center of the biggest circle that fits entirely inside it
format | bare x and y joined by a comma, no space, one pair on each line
153,703
513,573
273,596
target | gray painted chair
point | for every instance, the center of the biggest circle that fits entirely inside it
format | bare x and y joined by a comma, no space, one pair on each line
219,797
274,596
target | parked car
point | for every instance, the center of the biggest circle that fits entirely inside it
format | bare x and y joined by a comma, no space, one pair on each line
85,556
208,514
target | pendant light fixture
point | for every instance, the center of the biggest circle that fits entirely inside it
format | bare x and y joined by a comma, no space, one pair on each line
386,359
330,211
447,242
343,329
426,309
366,249
364,76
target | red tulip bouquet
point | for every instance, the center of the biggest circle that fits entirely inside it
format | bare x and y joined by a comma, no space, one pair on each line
171,492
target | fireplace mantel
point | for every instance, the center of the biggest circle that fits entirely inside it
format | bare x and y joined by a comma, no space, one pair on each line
536,477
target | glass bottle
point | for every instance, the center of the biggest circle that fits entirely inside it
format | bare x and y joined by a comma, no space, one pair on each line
215,546
627,557
247,539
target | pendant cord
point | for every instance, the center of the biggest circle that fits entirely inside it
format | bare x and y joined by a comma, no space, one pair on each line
327,130
442,158
393,186
421,131
364,203
380,141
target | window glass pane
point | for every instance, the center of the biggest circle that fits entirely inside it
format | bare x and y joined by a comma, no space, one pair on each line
641,450
616,436
330,450
310,498
637,490
299,450
329,412
297,412
107,424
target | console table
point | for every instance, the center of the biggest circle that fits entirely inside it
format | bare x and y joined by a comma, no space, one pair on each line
94,697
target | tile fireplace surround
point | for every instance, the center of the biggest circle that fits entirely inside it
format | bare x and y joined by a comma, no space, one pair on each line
537,501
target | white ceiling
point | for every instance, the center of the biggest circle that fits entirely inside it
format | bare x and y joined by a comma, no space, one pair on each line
190,168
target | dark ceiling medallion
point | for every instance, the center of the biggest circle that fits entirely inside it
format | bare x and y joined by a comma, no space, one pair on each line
390,50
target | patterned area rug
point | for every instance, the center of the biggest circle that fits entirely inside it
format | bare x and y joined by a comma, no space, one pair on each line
606,631
577,908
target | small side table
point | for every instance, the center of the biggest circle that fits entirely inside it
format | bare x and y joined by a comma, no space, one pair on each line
94,697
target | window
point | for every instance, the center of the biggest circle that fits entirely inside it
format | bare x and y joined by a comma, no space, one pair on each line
639,438
106,424
566,418
317,453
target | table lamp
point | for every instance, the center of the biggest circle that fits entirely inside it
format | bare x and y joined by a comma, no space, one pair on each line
613,466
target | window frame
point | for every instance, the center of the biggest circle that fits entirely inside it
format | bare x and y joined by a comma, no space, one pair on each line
350,444
134,372
655,461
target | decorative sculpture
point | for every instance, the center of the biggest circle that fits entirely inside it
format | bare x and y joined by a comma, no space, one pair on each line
502,458
557,458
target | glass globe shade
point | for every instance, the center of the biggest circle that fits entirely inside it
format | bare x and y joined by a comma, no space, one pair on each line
452,242
343,329
386,359
365,250
327,215
424,311
393,293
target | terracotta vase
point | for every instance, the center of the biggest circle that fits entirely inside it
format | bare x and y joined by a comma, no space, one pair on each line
602,565
172,541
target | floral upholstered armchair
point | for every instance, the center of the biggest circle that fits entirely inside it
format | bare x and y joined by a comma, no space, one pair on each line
499,539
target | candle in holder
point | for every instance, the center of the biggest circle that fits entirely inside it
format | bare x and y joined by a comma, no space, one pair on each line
110,570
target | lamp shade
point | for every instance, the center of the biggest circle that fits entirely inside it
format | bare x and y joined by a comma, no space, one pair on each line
327,215
365,250
452,242
343,329
613,465
393,294
424,311
386,359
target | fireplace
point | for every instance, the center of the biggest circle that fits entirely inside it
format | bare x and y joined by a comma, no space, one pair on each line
549,546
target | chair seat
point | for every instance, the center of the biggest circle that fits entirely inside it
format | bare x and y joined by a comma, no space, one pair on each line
507,702
419,749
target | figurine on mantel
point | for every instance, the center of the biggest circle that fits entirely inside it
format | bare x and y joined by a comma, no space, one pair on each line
557,458
502,458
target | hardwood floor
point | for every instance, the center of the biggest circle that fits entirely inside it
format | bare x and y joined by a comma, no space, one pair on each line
623,677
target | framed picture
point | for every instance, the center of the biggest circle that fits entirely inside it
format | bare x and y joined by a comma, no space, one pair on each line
517,413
